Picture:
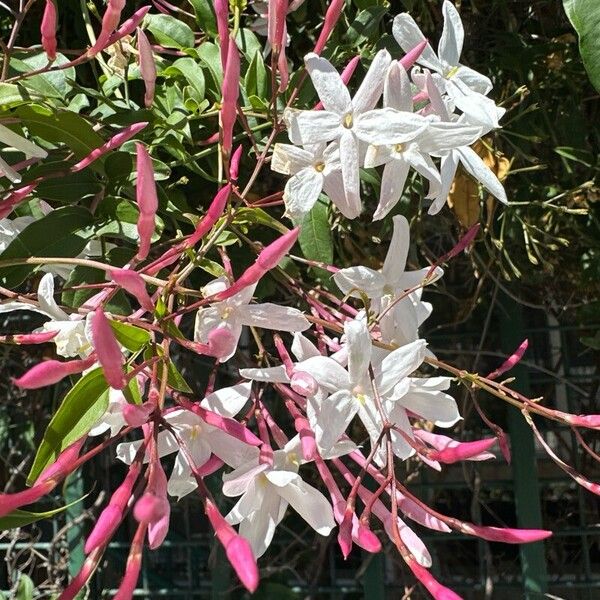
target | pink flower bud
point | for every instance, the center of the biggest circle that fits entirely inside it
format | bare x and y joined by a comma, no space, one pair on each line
50,372
48,30
108,350
366,539
238,549
136,415
462,451
307,438
214,463
411,57
332,16
10,502
277,10
117,140
129,26
511,361
66,458
8,204
212,215
304,383
87,570
148,508
110,21
147,200
221,341
234,166
590,421
222,14
240,555
464,242
505,534
132,282
147,66
345,533
229,92
434,587
133,566
28,338
112,515
272,254
282,67
153,507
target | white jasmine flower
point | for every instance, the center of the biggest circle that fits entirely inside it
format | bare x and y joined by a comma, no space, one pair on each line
267,490
466,87
73,337
314,169
235,312
200,439
351,121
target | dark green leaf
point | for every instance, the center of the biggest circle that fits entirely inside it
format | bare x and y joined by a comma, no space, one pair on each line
205,15
585,18
170,32
81,408
64,224
20,518
315,233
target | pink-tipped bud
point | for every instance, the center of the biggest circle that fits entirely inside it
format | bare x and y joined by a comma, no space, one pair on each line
332,16
366,539
234,165
505,534
48,30
147,67
110,21
8,204
511,361
147,200
10,502
277,10
238,549
129,26
50,372
433,586
345,533
222,15
273,254
345,76
87,570
462,244
240,555
136,415
214,212
148,508
108,351
411,57
132,282
213,464
590,421
308,443
462,451
133,566
229,92
304,383
221,342
28,338
66,458
115,142
282,67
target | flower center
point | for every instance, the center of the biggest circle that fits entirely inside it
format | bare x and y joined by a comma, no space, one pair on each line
226,312
195,431
319,166
348,121
452,72
292,459
399,148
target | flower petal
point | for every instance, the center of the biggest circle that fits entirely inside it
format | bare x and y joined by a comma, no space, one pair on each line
310,504
302,191
453,36
389,126
370,89
366,280
479,170
395,260
400,363
349,159
272,316
392,185
311,127
288,159
408,35
332,91
328,373
333,416
397,92
228,401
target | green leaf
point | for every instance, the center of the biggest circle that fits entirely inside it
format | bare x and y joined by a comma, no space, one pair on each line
255,79
190,70
366,24
130,336
248,43
20,518
585,18
257,216
210,55
81,408
176,381
170,32
54,84
11,95
205,16
58,234
25,588
315,233
59,128
68,188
